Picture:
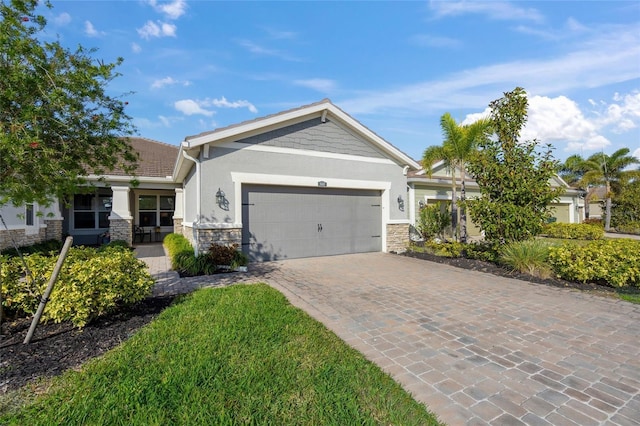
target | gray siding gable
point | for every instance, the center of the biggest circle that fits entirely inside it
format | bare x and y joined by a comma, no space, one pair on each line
314,135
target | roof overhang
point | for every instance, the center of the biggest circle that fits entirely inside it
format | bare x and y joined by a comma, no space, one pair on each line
323,110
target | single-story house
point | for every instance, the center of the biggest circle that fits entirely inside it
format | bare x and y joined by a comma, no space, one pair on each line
425,190
310,181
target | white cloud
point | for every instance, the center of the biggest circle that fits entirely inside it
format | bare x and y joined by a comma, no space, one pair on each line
151,29
191,107
224,103
63,19
135,48
606,59
90,30
172,10
636,153
168,81
320,84
499,10
623,115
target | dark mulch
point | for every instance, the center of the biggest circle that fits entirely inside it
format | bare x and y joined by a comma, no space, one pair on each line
59,347
492,268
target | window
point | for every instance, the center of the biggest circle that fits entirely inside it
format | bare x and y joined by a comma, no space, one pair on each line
29,215
155,210
91,211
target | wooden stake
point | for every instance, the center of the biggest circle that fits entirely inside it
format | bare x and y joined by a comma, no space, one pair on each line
47,293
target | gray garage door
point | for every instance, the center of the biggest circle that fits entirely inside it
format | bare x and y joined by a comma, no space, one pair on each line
290,222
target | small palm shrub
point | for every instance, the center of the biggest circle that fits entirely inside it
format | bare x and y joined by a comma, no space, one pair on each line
529,256
180,251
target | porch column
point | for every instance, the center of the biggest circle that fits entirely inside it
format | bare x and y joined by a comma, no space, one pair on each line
178,213
120,219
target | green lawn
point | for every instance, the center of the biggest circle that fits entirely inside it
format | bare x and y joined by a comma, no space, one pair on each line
236,355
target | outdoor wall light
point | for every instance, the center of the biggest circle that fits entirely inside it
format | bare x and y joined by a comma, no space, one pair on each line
421,204
400,203
221,200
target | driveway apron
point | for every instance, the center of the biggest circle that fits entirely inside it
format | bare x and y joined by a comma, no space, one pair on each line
477,348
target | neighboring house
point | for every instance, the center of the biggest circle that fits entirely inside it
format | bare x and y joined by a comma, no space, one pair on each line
426,190
311,181
595,198
29,224
116,206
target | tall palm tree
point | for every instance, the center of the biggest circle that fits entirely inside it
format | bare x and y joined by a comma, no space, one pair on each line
460,142
609,170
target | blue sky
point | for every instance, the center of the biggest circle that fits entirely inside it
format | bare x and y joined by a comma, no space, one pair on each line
395,66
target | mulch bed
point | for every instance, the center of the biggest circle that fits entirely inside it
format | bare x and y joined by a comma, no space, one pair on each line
59,347
56,348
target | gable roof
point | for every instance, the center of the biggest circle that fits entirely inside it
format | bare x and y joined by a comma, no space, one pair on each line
440,175
323,109
157,159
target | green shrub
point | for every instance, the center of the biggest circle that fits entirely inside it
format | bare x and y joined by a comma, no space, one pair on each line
613,262
574,231
445,249
432,221
528,256
594,221
180,251
116,243
629,228
227,255
44,247
91,283
482,251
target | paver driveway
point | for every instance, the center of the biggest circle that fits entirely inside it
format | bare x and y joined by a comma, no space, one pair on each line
476,348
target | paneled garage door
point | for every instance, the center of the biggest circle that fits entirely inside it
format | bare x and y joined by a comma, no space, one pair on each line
290,222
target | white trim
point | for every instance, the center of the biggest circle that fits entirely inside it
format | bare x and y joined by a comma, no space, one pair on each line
141,179
398,222
306,153
412,205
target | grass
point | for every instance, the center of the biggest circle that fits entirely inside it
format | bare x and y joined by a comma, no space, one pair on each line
236,355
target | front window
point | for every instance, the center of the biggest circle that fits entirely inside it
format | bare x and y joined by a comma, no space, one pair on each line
155,210
91,211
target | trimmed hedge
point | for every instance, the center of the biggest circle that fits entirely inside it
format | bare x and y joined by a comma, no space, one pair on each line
573,231
91,283
612,262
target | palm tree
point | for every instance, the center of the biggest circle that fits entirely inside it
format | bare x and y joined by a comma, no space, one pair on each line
609,170
460,142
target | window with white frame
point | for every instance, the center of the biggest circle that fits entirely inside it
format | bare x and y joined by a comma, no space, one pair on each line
91,211
156,210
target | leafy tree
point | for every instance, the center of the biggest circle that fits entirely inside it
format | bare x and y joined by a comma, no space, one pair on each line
432,221
513,177
57,123
460,142
602,169
625,209
572,170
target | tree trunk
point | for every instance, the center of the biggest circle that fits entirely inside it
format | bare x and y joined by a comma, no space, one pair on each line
607,219
454,208
463,210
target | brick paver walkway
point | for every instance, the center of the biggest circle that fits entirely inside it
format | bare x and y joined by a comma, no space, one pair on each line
475,348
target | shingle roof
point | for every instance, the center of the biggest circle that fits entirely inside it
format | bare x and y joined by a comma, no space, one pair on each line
157,159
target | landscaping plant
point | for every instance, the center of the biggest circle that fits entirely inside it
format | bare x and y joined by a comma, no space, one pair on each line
432,222
91,283
574,231
613,262
529,257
